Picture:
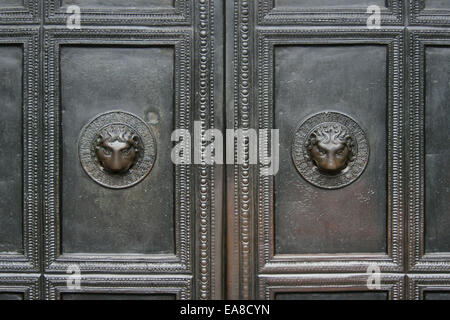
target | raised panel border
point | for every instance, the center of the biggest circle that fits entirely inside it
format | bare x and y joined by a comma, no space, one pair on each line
180,14
319,263
27,284
420,15
419,261
29,13
269,14
269,286
28,38
419,283
180,285
182,261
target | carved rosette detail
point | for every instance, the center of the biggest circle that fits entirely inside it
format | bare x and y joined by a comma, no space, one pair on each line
134,160
330,130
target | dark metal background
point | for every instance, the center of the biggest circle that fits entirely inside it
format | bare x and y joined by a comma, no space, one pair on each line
229,64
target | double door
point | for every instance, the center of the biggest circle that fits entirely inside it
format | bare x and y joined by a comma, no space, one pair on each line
246,149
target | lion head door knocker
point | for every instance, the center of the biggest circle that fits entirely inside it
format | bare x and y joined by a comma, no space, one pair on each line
117,149
330,150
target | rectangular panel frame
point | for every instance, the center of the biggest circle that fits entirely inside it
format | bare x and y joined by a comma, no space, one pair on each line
180,14
269,286
27,284
28,38
423,16
182,261
268,262
181,286
418,260
418,284
29,13
269,14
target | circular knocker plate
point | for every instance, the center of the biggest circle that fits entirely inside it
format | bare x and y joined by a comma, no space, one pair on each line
330,150
117,149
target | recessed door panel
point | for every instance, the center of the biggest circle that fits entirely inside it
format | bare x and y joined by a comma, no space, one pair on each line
19,160
96,219
328,3
436,295
347,79
118,12
11,296
11,3
437,4
116,296
437,149
428,149
118,3
11,136
332,296
328,12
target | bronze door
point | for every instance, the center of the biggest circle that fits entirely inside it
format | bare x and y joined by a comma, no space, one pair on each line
359,206
96,98
104,211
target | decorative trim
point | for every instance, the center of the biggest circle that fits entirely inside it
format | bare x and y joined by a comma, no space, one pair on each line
205,114
181,286
393,260
181,40
27,284
420,15
241,213
269,286
419,261
419,284
269,14
180,14
29,13
29,39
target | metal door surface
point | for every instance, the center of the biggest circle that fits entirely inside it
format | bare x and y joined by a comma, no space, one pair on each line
92,205
338,188
358,208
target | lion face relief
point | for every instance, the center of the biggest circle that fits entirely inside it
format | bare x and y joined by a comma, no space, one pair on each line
331,148
117,148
